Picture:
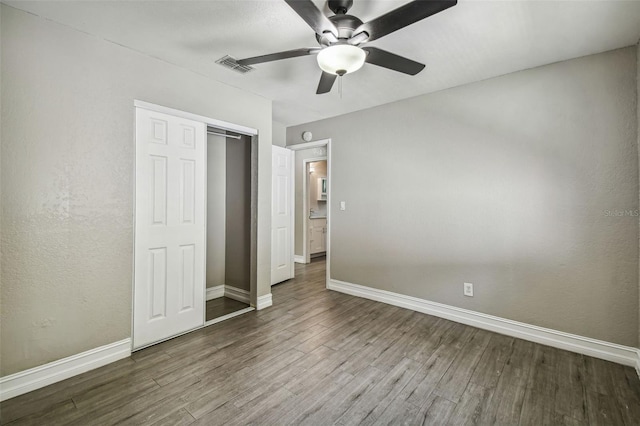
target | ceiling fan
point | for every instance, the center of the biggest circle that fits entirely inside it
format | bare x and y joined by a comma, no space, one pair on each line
341,35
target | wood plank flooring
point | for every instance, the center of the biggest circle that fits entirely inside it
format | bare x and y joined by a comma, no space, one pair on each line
319,357
222,306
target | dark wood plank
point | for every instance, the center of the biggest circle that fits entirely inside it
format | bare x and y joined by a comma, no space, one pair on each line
456,379
603,410
399,412
493,360
505,406
627,393
474,403
331,409
570,394
177,418
431,372
376,399
438,412
518,367
58,410
541,387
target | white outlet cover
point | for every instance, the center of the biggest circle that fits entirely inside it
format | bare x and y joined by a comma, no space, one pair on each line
468,289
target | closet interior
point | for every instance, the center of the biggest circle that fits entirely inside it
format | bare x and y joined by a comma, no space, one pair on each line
228,223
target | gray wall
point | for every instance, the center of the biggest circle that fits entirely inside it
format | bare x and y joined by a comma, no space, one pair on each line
510,183
279,134
216,209
238,213
638,132
1,274
299,172
67,182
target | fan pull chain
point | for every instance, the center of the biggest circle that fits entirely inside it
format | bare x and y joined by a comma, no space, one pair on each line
340,86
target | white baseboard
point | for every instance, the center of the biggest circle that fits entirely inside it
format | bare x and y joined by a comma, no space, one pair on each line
264,301
215,292
299,259
620,354
236,293
44,375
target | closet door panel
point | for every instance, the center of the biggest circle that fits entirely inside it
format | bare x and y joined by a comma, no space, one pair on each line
169,227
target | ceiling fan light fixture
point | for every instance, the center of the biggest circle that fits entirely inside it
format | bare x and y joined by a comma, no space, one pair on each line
341,59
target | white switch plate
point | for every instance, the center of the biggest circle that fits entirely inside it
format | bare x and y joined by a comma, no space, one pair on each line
343,205
468,289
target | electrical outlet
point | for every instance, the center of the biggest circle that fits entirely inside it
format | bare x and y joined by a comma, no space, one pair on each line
468,289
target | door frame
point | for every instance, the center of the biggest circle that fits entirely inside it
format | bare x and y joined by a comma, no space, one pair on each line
223,125
299,147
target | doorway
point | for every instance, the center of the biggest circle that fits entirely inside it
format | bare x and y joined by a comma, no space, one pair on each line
316,202
306,154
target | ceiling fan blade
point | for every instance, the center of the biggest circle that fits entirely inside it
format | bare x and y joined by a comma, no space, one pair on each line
280,55
326,83
392,61
313,16
401,17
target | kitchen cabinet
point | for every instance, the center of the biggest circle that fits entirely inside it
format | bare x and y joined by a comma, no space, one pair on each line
317,236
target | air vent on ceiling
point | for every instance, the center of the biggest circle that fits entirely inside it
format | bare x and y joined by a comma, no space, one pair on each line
232,63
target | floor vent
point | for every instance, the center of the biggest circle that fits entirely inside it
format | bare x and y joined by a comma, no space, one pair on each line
232,63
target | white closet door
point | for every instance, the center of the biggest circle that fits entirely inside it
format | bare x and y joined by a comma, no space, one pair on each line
281,215
169,227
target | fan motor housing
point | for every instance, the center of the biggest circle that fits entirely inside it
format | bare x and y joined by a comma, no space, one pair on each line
346,25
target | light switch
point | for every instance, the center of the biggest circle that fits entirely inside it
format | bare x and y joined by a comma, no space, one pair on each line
343,205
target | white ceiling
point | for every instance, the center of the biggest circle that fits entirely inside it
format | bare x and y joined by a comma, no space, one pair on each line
472,41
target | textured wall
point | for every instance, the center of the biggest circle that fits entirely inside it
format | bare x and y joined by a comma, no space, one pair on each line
513,184
67,182
279,134
216,209
299,172
1,261
238,213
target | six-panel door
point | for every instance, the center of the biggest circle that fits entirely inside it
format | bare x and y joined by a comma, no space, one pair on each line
169,227
282,267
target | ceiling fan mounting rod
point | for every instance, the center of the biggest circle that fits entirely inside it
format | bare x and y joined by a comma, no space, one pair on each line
340,7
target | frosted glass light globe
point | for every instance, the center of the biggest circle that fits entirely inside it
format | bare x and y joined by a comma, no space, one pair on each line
341,59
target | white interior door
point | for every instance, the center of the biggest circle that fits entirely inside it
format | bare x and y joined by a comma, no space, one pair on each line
169,226
282,215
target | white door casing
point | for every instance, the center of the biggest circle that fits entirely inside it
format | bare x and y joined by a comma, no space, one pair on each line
169,276
282,199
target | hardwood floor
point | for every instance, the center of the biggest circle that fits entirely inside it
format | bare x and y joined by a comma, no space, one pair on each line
222,306
320,357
